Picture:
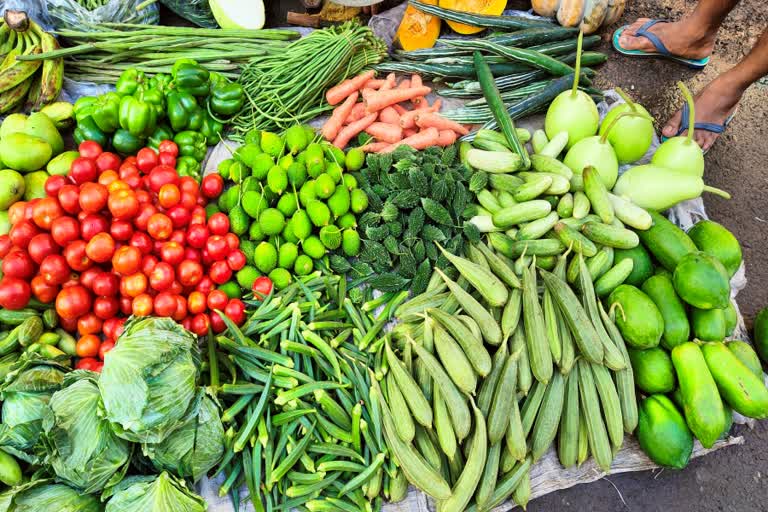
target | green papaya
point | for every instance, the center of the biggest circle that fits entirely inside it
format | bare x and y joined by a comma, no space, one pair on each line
740,388
637,317
702,281
662,432
642,266
708,324
660,289
715,240
667,242
746,354
653,370
760,334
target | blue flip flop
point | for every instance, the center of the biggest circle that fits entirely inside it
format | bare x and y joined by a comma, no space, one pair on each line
661,50
708,127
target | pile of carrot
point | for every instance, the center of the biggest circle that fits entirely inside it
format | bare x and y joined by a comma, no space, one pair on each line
391,113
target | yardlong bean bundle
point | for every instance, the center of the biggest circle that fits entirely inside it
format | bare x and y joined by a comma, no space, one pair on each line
288,87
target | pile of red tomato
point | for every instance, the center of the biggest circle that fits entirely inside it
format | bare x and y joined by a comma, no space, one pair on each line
117,238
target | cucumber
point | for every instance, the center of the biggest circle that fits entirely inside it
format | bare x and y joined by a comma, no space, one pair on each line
708,324
637,317
653,370
642,266
16,317
715,240
523,212
702,281
662,432
612,236
702,405
676,327
667,242
481,20
741,388
495,162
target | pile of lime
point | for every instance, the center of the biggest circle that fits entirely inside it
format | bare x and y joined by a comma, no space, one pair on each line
292,201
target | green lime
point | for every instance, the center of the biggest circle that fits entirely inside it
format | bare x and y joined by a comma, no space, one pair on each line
280,278
272,144
277,179
314,159
248,247
330,236
301,224
253,136
301,158
309,132
247,153
255,233
238,171
296,138
318,213
265,257
210,209
271,221
347,220
303,265
223,168
253,203
287,255
313,247
232,289
350,242
358,200
324,186
246,276
355,159
350,181
335,171
339,202
334,154
288,234
297,174
307,193
285,161
261,165
229,198
288,203
250,184
239,222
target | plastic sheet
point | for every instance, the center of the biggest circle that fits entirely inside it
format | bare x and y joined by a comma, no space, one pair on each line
71,14
196,11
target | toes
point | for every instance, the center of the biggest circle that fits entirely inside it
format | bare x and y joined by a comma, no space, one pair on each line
705,139
630,42
631,29
670,129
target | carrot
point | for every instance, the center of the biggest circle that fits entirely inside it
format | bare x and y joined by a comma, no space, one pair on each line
365,92
352,129
426,107
389,115
421,140
410,132
374,147
416,82
337,93
357,113
430,120
446,138
384,132
405,84
340,114
408,119
373,84
380,99
389,83
399,109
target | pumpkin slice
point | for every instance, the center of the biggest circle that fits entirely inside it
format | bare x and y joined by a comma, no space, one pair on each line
418,30
489,7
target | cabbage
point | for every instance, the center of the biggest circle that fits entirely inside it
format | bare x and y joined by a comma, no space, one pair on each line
42,496
84,452
148,379
195,446
25,394
162,493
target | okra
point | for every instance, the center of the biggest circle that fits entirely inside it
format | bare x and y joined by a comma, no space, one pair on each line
403,420
499,267
443,428
473,347
490,287
411,392
455,362
491,330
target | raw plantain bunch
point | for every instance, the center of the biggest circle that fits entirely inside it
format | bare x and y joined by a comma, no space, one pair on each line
27,84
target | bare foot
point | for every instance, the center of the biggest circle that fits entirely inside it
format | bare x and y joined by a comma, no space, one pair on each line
682,38
714,104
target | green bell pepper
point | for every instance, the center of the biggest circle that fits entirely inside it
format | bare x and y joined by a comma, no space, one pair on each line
126,143
226,98
84,107
161,133
196,120
191,144
106,112
181,106
87,130
192,78
188,166
137,116
154,97
129,82
211,130
160,81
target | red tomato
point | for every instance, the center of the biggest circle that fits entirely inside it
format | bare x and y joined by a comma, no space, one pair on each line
53,184
198,216
45,211
217,299
146,159
168,146
64,230
108,177
69,198
159,226
88,346
133,181
197,302
106,307
166,159
68,324
18,264
220,272
190,253
73,302
29,209
88,277
200,324
197,235
178,236
188,200
218,224
217,324
126,260
165,304
83,170
161,175
172,252
232,241
143,196
142,242
142,219
107,161
117,185
93,197
123,204
162,276
189,184
179,215
262,287
106,284
17,211
42,290
105,347
133,285
41,246
110,326
89,324
93,224
235,311
5,245
148,264
100,248
142,305
22,232
190,273
126,305
89,149
212,186
14,293
217,247
54,269
121,230
205,285
87,363
176,288
236,259
181,308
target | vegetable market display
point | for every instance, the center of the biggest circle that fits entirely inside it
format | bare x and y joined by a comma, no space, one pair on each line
331,316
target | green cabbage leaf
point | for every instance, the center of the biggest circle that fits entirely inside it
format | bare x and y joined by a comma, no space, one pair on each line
161,493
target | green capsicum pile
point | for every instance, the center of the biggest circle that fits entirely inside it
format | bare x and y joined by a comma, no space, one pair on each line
190,106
